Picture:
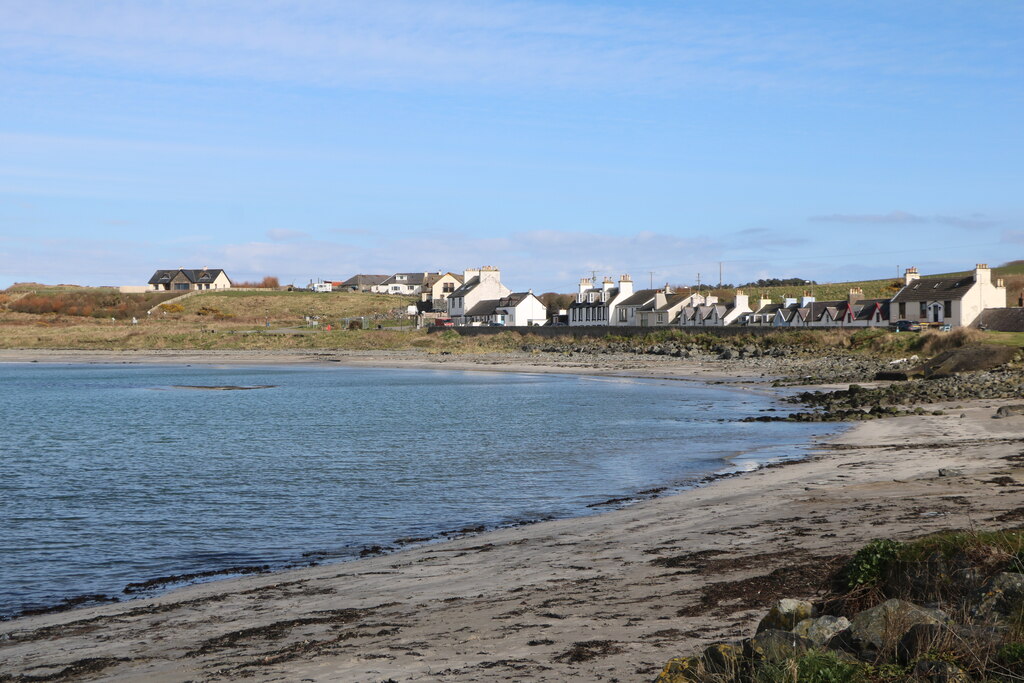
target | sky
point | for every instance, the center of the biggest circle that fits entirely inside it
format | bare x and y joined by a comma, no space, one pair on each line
311,139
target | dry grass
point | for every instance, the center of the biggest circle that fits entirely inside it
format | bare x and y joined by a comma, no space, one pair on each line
289,308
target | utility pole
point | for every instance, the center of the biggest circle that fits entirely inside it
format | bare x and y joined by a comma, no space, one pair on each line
719,274
651,273
698,283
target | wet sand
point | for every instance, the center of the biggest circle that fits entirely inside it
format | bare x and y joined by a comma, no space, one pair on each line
607,597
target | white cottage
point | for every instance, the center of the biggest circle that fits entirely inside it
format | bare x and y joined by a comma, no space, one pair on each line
955,301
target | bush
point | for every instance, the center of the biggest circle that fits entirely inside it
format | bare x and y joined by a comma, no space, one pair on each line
868,564
172,308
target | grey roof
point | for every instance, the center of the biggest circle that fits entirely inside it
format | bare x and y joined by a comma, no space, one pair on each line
867,307
935,289
639,298
482,308
612,293
364,280
1003,319
465,288
770,309
406,278
673,300
194,275
513,299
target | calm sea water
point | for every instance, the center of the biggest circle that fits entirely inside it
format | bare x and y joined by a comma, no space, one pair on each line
111,475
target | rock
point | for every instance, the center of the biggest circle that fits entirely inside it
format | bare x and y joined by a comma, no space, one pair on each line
785,614
923,638
775,646
1009,411
722,658
727,354
885,624
821,630
1000,599
939,672
681,670
950,472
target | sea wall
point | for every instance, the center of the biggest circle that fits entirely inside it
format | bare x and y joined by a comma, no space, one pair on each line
605,331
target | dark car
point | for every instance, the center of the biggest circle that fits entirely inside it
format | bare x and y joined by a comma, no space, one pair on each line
907,326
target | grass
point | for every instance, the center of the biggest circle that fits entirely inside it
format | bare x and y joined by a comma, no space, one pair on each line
289,308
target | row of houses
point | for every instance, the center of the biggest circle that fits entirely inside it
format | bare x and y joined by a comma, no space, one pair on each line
478,297
953,301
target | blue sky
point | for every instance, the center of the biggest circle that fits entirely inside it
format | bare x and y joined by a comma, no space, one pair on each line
316,139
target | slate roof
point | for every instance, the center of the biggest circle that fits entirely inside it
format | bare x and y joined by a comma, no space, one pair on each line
639,298
1003,319
513,299
935,289
465,288
409,279
612,293
673,300
482,308
868,307
364,280
194,275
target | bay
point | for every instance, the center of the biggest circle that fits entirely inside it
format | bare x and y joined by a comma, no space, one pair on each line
115,474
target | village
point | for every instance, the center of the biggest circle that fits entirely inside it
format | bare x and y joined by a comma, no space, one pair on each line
477,297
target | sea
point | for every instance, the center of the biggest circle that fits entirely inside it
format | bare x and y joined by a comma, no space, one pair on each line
121,480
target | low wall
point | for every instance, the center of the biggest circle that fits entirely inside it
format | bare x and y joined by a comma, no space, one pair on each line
605,330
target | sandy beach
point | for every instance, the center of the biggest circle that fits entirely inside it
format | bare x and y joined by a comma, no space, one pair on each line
607,597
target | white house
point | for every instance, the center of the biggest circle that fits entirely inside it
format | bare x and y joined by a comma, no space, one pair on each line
955,301
626,310
186,279
401,283
518,309
598,305
478,284
666,306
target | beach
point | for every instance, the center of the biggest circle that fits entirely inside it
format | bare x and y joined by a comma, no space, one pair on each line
606,597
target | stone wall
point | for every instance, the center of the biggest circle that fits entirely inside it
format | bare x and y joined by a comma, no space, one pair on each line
578,332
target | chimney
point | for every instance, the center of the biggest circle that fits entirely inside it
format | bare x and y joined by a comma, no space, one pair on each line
910,275
762,302
982,274
607,284
742,301
789,301
805,300
490,274
625,286
660,298
668,289
469,274
1000,284
856,294
584,284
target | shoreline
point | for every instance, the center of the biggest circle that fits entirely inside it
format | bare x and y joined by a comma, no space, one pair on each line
595,578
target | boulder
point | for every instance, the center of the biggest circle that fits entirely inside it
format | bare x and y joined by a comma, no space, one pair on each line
681,670
1000,599
821,630
1009,411
775,646
722,658
787,613
921,639
885,624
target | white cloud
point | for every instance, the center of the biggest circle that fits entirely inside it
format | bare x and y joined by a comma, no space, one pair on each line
974,221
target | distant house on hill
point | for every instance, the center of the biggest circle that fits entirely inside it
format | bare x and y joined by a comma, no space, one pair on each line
955,301
361,283
188,279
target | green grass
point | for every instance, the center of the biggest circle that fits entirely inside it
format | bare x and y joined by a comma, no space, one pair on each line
289,308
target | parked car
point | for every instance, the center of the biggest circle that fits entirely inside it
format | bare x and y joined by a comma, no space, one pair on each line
907,326
495,324
444,322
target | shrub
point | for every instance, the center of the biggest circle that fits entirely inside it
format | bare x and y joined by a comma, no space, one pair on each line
172,308
868,564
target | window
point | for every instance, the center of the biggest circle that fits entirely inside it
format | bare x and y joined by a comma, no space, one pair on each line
447,287
661,317
622,315
924,310
947,309
903,310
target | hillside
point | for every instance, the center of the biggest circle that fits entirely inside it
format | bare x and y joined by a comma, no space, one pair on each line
290,308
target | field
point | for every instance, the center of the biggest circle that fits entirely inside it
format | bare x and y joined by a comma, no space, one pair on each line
291,308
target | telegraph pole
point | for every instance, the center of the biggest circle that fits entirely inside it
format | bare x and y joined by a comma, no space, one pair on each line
719,274
651,273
